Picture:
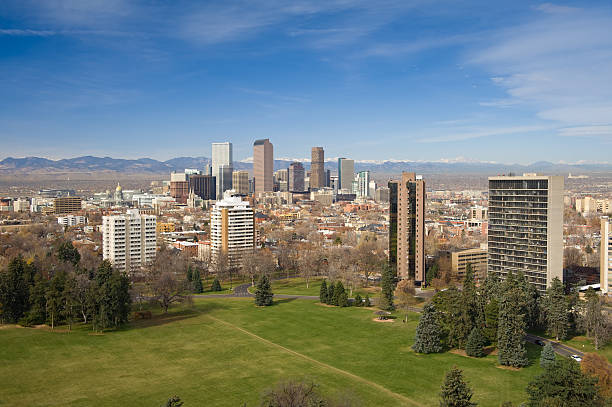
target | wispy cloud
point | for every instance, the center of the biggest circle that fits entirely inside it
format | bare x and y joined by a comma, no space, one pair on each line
271,94
559,64
467,134
26,32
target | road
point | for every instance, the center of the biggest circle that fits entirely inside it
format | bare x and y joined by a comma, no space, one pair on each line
559,348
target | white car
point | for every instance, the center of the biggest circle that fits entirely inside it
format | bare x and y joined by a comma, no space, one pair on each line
576,358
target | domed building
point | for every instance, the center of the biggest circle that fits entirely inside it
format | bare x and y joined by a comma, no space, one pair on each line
118,194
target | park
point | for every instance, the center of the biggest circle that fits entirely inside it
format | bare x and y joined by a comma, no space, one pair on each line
226,351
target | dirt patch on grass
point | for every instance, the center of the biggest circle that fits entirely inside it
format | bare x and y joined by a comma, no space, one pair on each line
382,320
326,305
489,350
7,326
514,369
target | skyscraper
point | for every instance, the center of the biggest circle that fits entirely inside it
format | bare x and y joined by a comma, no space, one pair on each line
363,184
317,168
407,227
296,177
240,182
605,252
346,174
263,165
526,227
222,166
203,186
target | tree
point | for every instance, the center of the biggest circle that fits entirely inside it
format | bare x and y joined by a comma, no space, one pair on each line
572,257
358,301
323,292
593,320
556,310
564,385
491,317
216,285
167,290
198,288
189,274
511,328
38,301
404,296
470,309
597,366
366,301
427,338
68,253
14,291
174,401
293,394
386,295
341,298
475,343
54,296
330,294
70,304
263,292
455,391
547,356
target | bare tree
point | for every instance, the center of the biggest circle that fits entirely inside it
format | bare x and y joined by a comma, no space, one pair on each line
312,262
404,296
572,257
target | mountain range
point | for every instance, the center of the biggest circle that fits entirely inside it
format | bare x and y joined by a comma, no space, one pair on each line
90,164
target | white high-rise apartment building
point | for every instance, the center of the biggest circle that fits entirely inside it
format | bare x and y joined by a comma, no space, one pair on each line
232,229
526,227
363,184
605,261
130,240
222,166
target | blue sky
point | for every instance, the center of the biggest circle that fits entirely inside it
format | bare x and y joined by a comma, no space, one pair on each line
371,80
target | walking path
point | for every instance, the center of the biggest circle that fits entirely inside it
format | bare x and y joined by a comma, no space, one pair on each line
377,386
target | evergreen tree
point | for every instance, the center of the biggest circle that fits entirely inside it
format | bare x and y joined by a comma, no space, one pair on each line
511,328
455,391
198,288
563,384
556,310
340,296
38,301
14,291
323,292
216,285
119,298
475,343
68,253
54,297
189,274
547,356
386,295
358,301
491,317
366,301
449,304
263,292
432,273
470,312
330,294
427,338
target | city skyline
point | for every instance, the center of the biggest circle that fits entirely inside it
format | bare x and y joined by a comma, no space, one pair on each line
392,80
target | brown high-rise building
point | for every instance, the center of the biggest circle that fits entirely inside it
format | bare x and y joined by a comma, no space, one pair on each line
240,182
263,165
66,204
317,168
407,227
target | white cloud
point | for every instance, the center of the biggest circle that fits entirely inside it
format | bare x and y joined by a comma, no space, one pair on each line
586,131
26,32
559,64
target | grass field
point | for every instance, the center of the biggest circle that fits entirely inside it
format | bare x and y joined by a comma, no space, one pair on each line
297,286
225,352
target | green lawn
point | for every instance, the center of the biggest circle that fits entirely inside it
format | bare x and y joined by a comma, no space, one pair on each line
225,352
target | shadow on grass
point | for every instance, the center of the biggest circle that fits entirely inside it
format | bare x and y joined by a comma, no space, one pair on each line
175,315
283,300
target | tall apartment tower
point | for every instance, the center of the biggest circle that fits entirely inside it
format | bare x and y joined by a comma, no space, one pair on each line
346,174
129,241
605,262
263,165
407,227
232,229
240,182
317,168
363,184
222,166
526,227
296,177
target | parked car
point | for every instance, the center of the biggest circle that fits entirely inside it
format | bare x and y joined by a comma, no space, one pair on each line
539,342
576,358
